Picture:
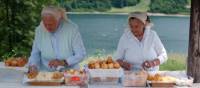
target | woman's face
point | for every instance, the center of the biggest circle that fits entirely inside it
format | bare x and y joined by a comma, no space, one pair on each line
136,25
50,23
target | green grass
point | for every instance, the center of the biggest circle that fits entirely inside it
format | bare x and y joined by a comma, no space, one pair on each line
174,62
189,2
143,6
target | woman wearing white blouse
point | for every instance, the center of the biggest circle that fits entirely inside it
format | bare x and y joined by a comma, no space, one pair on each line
140,47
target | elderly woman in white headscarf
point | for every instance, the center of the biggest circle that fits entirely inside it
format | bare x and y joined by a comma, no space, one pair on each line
140,47
57,42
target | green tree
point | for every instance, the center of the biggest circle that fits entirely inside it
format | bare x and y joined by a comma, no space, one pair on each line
87,5
168,6
123,3
131,2
69,5
103,5
117,3
18,21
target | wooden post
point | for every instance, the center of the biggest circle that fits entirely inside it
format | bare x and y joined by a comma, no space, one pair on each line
193,61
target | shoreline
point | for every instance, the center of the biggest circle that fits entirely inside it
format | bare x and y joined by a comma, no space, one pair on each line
107,13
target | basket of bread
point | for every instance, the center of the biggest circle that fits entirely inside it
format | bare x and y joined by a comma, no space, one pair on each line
104,71
75,77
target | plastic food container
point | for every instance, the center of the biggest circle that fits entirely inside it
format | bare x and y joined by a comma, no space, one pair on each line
134,79
105,76
104,80
76,79
106,72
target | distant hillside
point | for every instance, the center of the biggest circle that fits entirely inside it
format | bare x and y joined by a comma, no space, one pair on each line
125,6
169,6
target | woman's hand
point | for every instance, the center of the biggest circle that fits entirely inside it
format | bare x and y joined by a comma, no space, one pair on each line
149,64
32,71
124,65
55,63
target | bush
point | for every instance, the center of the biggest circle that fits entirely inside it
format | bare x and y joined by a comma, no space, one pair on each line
18,21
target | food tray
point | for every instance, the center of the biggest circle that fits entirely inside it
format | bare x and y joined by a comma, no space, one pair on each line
181,79
161,84
43,82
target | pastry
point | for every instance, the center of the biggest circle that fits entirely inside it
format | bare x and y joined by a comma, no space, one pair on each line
57,75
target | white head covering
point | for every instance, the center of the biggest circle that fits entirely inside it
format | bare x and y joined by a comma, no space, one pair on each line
142,16
57,12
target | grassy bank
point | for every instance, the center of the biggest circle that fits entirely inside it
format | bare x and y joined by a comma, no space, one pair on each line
175,62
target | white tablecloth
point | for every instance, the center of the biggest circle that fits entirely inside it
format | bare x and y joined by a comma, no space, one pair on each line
10,78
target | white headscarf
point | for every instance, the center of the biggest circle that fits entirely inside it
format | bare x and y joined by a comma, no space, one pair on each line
142,16
57,12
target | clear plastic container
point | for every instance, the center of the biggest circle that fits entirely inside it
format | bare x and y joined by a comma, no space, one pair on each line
134,79
105,76
104,80
76,80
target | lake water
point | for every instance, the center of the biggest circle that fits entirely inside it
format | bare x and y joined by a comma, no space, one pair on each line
101,32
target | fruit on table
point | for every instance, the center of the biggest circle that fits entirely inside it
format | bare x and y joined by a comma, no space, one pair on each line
57,75
109,60
75,78
74,72
16,62
32,75
45,76
116,65
104,66
108,63
159,77
91,64
97,65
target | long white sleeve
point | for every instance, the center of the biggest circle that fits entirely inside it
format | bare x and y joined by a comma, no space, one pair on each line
160,50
